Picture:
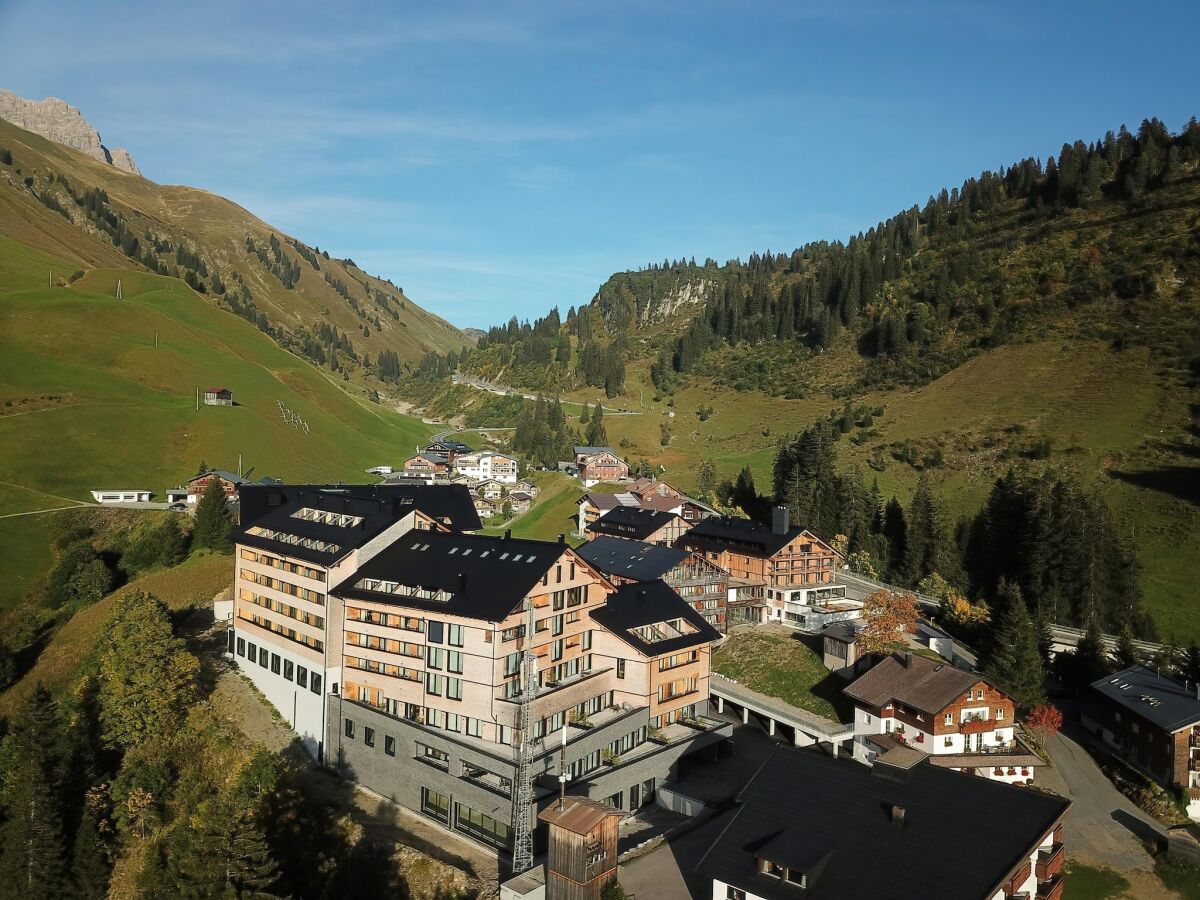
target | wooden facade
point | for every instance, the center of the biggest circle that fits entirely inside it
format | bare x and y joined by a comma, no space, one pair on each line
582,849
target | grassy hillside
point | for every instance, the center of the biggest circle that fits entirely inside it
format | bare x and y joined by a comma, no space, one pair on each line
180,229
98,392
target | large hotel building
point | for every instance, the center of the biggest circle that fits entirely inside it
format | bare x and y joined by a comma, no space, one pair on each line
391,639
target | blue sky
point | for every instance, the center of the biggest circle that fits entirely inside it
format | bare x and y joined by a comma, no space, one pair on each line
500,158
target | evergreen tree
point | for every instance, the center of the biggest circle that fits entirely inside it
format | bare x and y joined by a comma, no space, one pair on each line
706,480
225,855
1015,661
213,520
91,867
1091,660
597,436
895,531
1126,654
928,549
33,848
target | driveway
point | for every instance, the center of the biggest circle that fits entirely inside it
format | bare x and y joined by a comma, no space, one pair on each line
1103,826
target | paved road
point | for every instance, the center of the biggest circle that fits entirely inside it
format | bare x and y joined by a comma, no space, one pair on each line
503,391
1103,826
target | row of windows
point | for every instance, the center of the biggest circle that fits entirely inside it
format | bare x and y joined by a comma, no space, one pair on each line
678,659
284,667
265,559
296,540
283,631
283,609
467,820
679,688
371,665
285,587
388,645
439,685
391,620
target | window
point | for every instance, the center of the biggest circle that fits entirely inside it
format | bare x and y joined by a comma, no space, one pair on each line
433,684
512,663
454,661
949,718
301,676
948,742
241,646
557,625
275,663
483,827
288,667
434,717
454,635
586,641
473,727
369,736
504,735
452,722
433,657
435,805
732,893
487,637
264,657
454,688
557,649
251,651
620,668
389,745
350,728
315,683
434,631
999,712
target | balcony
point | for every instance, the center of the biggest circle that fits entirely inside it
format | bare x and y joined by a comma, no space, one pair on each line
497,784
1051,889
1049,862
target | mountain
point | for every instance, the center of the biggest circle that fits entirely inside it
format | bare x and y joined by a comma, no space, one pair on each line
68,203
55,119
1041,318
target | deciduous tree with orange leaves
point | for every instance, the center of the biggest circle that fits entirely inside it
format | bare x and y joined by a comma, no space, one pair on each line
890,616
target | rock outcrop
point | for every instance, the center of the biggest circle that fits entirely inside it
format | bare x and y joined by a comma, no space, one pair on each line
58,121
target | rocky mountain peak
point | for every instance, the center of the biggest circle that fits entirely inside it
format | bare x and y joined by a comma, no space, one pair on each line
58,121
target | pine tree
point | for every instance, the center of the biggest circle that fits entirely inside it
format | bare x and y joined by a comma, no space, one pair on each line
1015,663
33,860
1126,653
90,868
1091,657
213,520
597,436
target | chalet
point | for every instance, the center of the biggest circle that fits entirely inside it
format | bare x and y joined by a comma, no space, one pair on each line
1153,722
658,495
597,464
490,489
231,483
759,556
703,585
486,508
807,825
636,524
447,448
427,463
527,486
963,721
594,504
107,498
218,396
520,502
486,465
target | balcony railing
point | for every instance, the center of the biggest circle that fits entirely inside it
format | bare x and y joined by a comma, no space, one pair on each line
1049,862
1051,889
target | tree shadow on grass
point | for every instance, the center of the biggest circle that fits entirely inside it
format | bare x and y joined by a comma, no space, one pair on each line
1181,482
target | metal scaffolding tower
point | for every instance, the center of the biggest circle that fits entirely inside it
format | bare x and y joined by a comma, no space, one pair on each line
522,824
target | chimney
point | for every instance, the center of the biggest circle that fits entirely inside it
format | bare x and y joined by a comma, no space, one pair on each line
897,817
779,520
462,581
507,533
562,538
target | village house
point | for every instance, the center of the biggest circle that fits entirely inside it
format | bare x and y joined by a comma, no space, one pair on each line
598,464
520,502
491,489
436,628
527,486
486,508
592,505
448,448
962,720
702,584
658,495
218,396
487,464
231,483
1153,722
759,556
811,608
636,524
427,463
808,825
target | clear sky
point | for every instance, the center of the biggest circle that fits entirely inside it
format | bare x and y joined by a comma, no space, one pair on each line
498,158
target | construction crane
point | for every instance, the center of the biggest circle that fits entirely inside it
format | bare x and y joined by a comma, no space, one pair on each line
523,800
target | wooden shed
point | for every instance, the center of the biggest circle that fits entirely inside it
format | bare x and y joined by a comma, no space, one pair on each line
582,852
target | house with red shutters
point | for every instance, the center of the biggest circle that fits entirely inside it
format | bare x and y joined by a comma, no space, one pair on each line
961,720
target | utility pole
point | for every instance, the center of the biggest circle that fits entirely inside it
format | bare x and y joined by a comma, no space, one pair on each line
197,398
118,288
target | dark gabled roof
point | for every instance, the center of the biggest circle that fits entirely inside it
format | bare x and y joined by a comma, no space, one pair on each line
630,559
591,451
915,681
631,522
961,837
741,535
430,455
1157,699
648,603
449,504
454,446
225,474
320,543
486,577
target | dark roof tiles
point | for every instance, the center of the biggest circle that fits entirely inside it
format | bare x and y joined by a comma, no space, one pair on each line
915,681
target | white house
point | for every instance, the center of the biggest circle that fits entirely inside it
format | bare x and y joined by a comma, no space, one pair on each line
812,608
123,496
487,464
